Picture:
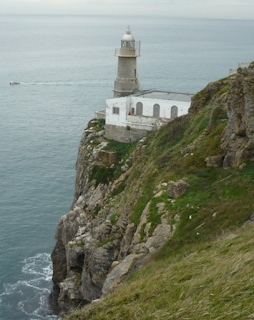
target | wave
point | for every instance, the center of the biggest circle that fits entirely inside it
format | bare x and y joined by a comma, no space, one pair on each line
29,295
67,83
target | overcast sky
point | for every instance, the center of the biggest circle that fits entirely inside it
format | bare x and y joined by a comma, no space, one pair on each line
229,9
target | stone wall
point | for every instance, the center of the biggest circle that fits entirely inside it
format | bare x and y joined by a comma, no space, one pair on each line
122,134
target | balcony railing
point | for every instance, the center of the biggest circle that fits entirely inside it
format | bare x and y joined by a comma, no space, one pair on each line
128,51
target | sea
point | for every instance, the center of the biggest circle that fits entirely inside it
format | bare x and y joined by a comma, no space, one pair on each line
66,68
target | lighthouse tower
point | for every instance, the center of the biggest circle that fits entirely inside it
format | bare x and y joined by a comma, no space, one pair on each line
126,81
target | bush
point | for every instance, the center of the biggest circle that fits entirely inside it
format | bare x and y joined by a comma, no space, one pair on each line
101,174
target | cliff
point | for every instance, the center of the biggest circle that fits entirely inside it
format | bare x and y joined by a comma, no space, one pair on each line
178,187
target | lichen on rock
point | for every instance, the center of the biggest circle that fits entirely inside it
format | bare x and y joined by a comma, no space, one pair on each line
97,231
238,139
125,208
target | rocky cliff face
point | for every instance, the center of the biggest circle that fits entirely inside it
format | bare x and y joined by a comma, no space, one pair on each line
115,224
235,95
238,140
97,244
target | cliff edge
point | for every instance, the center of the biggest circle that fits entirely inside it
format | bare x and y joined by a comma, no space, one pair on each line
133,199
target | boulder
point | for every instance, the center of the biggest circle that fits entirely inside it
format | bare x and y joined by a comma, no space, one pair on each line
214,161
176,189
118,273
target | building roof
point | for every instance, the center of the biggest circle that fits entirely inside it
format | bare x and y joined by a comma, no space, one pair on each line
164,95
128,36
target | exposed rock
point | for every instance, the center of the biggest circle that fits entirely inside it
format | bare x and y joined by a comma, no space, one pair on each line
127,239
234,94
160,236
214,161
96,196
143,220
250,221
160,206
97,245
106,158
238,139
70,296
177,188
204,96
158,194
118,273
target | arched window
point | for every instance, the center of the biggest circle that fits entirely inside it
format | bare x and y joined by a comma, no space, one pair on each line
174,112
156,110
139,111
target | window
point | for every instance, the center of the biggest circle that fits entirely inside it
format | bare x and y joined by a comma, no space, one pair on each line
128,44
139,111
115,110
132,111
174,112
156,110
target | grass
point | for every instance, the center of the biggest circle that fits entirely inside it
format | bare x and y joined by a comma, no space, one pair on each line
212,281
223,90
154,216
212,205
119,188
206,270
121,148
101,174
97,124
114,217
138,208
104,175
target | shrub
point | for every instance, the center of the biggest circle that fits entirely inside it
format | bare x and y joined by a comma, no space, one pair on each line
101,174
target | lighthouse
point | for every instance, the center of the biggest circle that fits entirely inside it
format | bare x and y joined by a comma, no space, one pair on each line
127,80
133,112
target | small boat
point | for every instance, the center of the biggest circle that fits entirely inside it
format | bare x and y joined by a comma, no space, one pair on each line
13,83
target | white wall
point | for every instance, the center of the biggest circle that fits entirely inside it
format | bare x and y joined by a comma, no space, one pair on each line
146,121
143,123
165,106
116,119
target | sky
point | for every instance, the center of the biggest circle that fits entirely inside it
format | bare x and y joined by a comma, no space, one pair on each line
225,9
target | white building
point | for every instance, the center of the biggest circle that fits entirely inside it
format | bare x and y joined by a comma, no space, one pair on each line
133,112
143,111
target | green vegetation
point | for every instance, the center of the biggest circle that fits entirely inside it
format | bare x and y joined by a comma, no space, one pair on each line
216,201
101,174
223,90
121,148
114,217
97,124
211,281
139,207
205,270
104,242
119,189
154,217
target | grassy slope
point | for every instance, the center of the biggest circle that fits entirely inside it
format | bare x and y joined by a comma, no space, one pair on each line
214,281
195,275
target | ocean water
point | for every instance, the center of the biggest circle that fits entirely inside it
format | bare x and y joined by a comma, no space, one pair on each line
66,67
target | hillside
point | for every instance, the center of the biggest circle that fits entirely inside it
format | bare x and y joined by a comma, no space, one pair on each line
213,280
169,208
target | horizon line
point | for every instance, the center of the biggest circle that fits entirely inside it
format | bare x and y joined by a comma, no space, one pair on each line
117,15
